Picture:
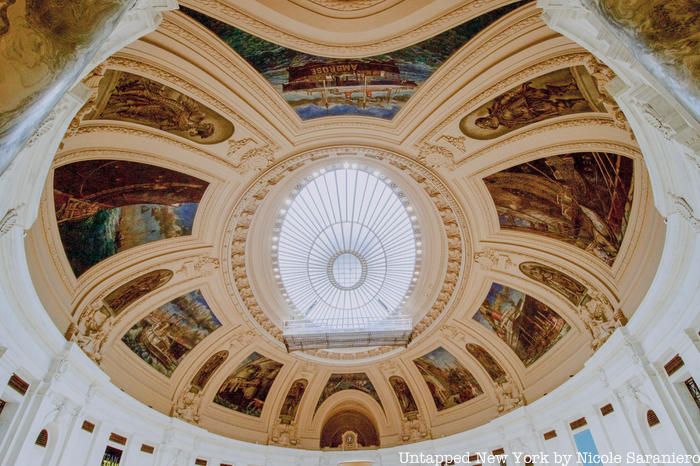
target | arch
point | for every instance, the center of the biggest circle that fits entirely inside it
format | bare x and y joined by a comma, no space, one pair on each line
346,421
652,418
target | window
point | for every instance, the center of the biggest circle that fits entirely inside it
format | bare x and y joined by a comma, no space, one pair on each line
587,447
88,426
43,439
673,365
607,409
18,385
693,389
652,419
147,449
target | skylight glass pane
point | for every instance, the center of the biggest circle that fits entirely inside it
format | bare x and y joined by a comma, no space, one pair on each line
346,252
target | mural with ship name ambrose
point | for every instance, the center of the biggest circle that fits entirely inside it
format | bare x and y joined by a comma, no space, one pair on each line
377,86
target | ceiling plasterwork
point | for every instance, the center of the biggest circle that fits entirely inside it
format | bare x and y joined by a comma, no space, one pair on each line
225,364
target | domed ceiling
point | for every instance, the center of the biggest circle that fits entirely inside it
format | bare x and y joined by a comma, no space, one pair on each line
345,224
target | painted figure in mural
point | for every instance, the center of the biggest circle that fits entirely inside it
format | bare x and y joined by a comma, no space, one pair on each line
128,97
339,382
527,325
170,332
205,372
377,86
558,281
449,382
403,394
487,361
584,199
246,389
135,289
107,206
291,402
561,92
526,104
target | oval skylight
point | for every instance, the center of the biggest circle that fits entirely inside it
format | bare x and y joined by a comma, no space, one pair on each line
346,249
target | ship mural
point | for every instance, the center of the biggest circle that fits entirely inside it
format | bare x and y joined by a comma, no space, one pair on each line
376,86
165,336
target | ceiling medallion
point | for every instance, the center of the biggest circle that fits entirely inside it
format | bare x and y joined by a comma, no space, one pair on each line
344,265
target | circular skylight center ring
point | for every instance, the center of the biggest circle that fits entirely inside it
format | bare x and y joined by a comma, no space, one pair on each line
346,252
347,270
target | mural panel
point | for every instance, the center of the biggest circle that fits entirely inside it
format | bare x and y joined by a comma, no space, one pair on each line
339,382
527,325
135,289
44,46
560,282
291,402
165,336
246,389
450,384
406,401
665,37
561,92
107,206
124,96
487,361
207,370
584,199
375,86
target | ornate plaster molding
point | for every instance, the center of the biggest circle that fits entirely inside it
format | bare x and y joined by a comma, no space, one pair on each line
454,225
226,10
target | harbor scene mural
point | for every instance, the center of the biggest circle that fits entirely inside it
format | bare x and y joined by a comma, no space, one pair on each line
339,382
104,207
450,384
376,86
527,325
246,389
165,336
583,199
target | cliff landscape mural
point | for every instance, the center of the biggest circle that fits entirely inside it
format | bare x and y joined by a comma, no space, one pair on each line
665,37
449,383
104,207
487,361
527,325
561,92
560,282
128,97
583,199
135,289
246,389
44,46
377,86
292,401
339,382
165,336
408,405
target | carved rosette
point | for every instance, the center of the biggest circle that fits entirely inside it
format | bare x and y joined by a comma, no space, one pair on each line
453,221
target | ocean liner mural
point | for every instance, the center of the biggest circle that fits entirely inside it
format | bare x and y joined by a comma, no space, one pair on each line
375,86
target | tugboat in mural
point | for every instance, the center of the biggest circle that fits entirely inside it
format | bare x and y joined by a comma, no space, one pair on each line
354,81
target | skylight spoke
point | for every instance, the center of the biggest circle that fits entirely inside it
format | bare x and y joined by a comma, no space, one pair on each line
346,252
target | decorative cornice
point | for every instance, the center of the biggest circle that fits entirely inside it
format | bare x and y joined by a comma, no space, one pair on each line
454,225
224,10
